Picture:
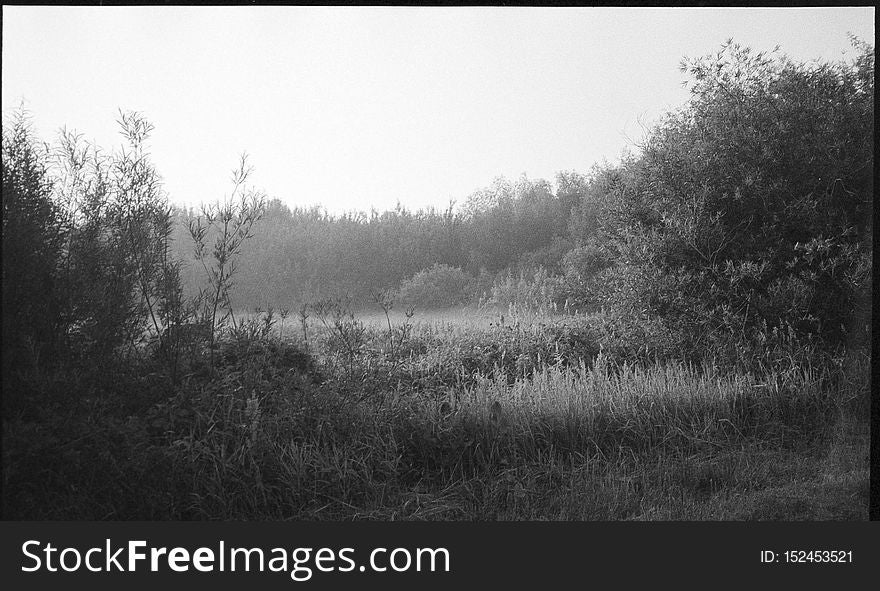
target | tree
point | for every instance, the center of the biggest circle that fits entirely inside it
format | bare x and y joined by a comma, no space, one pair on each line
748,209
32,243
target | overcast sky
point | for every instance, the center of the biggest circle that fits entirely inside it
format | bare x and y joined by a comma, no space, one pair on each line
353,108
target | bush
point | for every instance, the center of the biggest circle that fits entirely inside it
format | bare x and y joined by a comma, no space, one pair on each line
747,210
582,278
439,286
32,243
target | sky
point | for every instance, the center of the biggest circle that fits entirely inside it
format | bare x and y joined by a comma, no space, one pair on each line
353,108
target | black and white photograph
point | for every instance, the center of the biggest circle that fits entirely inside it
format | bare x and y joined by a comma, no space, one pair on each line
339,263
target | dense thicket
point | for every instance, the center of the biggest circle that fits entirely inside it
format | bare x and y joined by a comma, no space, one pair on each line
86,265
747,215
32,243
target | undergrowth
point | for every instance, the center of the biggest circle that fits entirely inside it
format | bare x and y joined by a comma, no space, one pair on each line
514,421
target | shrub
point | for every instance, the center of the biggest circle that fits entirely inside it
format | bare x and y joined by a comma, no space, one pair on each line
748,208
439,286
32,245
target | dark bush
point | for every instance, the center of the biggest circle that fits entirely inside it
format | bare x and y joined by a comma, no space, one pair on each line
33,238
747,210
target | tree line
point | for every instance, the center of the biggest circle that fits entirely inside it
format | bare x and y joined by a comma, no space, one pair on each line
303,254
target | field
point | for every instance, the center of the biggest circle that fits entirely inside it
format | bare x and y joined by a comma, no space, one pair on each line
450,415
683,334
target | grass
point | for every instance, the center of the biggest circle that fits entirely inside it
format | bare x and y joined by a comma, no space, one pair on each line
462,420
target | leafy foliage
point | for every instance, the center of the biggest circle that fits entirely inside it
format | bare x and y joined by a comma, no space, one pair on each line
439,286
33,240
747,211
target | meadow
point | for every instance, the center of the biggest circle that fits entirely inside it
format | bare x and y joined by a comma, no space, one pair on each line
452,415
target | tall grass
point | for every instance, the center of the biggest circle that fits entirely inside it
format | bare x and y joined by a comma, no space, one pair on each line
277,435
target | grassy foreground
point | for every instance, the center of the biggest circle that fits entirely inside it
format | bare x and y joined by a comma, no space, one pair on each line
442,422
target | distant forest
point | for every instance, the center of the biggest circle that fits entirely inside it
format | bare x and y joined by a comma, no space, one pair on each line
300,255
